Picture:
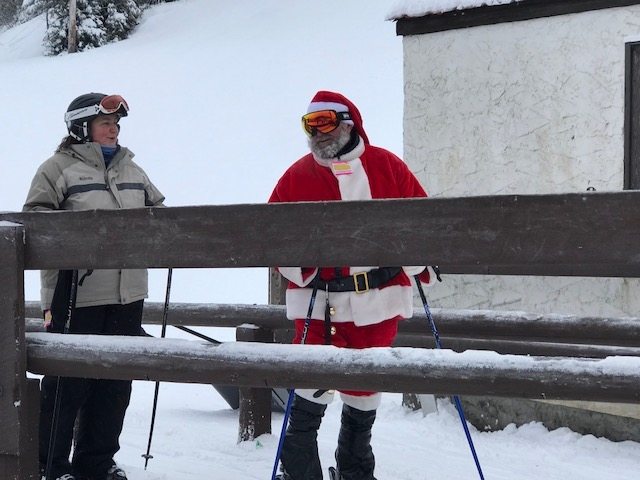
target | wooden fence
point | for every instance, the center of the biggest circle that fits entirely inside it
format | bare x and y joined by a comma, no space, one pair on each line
592,234
500,331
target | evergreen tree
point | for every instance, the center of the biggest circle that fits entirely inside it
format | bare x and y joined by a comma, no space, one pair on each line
98,22
120,17
9,11
145,3
32,8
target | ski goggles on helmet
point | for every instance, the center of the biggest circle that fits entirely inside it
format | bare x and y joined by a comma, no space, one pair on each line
323,121
108,106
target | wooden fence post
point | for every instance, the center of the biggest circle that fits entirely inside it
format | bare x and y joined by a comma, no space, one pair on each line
255,403
17,459
277,296
277,287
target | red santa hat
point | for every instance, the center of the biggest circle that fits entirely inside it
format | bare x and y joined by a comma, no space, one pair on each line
324,100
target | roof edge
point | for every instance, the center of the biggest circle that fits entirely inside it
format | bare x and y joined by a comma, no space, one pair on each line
503,13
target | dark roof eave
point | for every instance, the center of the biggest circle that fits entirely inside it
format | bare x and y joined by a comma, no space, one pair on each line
510,12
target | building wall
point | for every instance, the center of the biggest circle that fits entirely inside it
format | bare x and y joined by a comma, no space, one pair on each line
525,107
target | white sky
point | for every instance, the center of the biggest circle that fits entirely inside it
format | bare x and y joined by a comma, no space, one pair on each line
216,91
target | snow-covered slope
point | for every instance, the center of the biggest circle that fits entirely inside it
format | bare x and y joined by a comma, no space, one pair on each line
216,91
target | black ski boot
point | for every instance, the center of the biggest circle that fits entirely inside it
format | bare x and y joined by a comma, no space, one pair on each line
116,473
300,460
354,456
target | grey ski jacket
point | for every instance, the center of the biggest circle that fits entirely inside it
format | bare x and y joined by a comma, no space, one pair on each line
75,178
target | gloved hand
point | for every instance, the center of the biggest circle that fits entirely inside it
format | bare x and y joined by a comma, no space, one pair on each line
47,319
427,275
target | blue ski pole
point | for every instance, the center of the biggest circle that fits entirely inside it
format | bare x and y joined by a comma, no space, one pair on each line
287,410
456,399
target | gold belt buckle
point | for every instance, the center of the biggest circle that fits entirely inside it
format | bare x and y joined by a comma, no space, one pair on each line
366,282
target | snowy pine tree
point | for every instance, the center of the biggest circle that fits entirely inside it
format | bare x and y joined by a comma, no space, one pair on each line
145,3
98,22
32,8
9,11
120,17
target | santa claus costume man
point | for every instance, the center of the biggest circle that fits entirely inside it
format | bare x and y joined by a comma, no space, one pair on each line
364,304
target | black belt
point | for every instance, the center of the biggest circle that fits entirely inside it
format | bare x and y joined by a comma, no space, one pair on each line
358,282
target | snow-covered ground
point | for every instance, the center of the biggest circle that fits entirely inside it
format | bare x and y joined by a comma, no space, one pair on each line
216,91
195,438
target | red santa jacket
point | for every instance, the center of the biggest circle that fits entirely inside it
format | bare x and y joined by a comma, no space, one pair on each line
365,173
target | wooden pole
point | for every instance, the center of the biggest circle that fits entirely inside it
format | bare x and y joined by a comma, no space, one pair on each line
255,403
15,460
72,39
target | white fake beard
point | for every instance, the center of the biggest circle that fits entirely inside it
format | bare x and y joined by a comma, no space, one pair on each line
331,149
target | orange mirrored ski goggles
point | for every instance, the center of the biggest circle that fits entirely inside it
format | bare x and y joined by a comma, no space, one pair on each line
113,104
323,121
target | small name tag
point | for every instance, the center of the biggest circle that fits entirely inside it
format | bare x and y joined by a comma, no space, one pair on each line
341,168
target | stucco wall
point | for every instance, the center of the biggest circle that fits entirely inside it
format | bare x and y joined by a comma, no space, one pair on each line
525,107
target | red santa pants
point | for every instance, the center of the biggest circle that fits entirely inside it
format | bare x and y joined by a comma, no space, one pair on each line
349,335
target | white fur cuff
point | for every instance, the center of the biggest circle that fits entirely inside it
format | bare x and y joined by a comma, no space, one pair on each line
364,403
294,274
411,271
324,399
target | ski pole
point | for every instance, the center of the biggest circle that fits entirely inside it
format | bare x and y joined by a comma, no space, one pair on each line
226,392
198,334
287,410
71,305
147,456
456,399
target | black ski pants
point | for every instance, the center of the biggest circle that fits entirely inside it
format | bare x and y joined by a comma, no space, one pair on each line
300,460
95,406
354,455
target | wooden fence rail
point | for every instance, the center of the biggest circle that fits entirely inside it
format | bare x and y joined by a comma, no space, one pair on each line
319,366
452,323
591,234
501,331
471,324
